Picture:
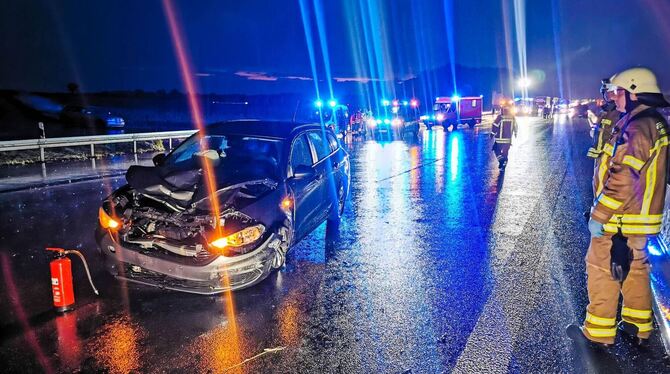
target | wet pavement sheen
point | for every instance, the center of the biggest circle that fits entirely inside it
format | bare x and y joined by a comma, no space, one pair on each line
441,264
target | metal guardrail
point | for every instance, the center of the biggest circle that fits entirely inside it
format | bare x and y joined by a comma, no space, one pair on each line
77,141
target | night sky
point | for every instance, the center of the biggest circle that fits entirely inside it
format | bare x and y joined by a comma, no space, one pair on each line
259,46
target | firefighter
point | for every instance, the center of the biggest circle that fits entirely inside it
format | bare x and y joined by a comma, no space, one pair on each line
504,126
603,122
627,212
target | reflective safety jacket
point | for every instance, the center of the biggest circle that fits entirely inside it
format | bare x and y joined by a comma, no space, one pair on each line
503,129
630,178
603,131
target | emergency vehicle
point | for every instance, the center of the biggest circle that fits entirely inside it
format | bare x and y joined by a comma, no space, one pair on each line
451,111
398,117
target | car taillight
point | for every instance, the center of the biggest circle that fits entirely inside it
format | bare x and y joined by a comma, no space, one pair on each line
106,221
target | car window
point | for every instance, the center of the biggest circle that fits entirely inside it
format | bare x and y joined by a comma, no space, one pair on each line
300,153
320,144
332,141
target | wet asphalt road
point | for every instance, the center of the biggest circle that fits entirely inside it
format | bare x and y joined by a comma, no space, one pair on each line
441,264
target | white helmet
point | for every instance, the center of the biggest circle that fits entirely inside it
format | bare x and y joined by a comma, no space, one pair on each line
637,81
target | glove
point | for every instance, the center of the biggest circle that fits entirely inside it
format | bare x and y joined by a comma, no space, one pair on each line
596,228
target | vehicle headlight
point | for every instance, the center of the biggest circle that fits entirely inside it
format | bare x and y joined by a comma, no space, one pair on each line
106,221
240,238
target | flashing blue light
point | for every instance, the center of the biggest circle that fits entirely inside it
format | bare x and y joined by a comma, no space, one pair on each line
379,121
332,103
405,103
455,98
318,103
654,248
387,121
386,102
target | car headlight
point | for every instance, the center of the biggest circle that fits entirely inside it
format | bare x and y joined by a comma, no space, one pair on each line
240,238
106,221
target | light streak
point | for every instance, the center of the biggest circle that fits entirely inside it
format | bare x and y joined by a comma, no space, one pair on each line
323,41
558,55
196,116
193,102
520,29
451,44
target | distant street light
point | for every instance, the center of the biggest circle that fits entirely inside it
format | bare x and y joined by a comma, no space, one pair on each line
318,103
332,103
524,82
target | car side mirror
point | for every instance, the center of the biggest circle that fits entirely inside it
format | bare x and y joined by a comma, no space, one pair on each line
159,159
303,171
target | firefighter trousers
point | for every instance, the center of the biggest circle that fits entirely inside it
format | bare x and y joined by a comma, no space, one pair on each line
501,150
600,321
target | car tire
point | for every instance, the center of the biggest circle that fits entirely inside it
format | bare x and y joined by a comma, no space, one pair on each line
285,234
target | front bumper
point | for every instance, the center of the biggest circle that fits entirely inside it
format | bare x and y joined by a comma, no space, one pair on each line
175,273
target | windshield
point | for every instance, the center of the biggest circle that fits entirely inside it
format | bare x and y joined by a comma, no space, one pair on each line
233,154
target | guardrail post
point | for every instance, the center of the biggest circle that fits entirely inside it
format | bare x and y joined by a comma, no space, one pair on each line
42,155
170,143
92,151
134,147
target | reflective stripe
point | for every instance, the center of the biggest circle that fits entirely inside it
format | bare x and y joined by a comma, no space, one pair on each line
600,332
594,153
600,321
609,202
642,327
636,313
503,141
633,230
606,121
633,162
609,149
662,142
636,218
650,186
602,170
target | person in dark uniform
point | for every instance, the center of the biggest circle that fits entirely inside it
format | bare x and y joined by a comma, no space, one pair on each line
504,126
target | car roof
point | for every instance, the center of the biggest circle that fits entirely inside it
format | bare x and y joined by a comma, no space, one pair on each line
267,129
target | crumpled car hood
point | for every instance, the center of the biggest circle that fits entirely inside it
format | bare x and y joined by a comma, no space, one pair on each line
182,190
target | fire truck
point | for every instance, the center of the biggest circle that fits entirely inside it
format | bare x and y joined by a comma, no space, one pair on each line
452,111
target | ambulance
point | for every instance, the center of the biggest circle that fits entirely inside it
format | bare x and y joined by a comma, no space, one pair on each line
455,110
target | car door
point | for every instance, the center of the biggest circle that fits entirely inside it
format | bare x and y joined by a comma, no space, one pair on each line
336,166
305,186
322,150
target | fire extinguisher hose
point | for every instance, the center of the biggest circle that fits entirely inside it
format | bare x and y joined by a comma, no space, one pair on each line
88,273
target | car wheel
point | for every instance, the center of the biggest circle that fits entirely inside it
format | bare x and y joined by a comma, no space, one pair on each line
285,236
337,209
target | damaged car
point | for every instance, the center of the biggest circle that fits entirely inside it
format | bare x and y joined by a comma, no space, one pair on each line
222,209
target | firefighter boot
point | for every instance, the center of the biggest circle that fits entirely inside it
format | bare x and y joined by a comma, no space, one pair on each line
576,334
630,331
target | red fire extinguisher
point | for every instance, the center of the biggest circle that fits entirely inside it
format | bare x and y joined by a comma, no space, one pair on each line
62,286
